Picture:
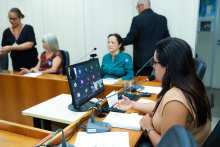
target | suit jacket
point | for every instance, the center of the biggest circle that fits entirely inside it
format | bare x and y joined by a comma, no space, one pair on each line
146,30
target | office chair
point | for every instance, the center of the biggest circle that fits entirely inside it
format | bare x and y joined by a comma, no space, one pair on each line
214,138
66,59
4,62
177,136
200,67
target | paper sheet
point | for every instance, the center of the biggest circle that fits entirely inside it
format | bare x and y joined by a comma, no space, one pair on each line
106,81
152,89
145,101
32,74
112,99
107,139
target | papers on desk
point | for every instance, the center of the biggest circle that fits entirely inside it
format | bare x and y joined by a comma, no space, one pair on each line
108,139
112,99
151,89
123,120
32,74
111,81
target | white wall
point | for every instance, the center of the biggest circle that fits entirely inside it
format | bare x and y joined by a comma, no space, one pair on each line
81,25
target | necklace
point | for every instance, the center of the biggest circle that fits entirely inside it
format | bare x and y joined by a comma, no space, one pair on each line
18,33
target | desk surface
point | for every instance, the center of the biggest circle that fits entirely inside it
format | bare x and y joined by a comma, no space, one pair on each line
134,135
55,109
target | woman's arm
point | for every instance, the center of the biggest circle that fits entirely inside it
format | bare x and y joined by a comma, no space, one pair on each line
129,73
126,104
55,64
23,46
175,113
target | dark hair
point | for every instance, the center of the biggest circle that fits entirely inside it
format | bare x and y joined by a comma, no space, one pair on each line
119,39
17,12
176,55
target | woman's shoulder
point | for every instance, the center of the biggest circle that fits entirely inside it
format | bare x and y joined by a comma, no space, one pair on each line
107,55
7,30
57,53
173,92
125,55
44,52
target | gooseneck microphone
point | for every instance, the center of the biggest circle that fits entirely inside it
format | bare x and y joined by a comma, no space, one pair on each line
86,55
136,88
150,78
95,126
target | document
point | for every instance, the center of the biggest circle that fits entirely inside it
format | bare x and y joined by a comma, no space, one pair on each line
111,81
112,99
123,120
107,139
145,101
152,89
32,74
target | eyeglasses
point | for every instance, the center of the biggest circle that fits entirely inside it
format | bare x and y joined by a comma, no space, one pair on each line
138,6
13,19
152,62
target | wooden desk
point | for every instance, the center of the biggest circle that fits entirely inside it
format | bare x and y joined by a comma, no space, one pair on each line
18,93
134,136
12,134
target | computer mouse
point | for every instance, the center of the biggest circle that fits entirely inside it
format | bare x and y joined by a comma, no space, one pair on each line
145,95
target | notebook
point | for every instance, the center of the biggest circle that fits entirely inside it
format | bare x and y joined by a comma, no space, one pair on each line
123,120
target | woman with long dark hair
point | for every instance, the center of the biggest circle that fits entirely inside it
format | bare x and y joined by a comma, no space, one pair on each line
183,100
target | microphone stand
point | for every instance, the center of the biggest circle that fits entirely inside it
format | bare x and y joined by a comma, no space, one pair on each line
86,55
136,88
95,126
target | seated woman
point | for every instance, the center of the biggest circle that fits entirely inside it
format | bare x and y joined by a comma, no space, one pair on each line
51,60
183,99
116,64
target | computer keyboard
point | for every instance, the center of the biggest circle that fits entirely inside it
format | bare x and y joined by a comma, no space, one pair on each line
132,97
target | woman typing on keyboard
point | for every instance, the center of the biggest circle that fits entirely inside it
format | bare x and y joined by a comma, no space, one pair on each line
183,100
116,64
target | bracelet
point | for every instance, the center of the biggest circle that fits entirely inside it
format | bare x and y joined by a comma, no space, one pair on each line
11,47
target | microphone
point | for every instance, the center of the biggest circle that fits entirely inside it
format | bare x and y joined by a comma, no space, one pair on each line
136,88
86,55
150,78
95,126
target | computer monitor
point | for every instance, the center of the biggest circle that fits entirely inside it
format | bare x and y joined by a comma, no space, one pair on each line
85,82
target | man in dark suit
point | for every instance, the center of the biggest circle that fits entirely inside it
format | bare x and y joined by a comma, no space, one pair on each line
146,30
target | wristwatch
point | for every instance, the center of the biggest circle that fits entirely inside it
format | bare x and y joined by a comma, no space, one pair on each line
147,130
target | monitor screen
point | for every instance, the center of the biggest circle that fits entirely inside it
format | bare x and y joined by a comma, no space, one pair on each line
85,82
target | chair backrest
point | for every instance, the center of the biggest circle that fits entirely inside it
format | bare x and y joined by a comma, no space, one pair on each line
66,59
200,67
177,136
4,62
214,138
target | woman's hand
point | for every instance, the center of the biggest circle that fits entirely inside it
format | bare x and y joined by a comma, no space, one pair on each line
36,70
146,122
6,49
2,53
123,104
24,70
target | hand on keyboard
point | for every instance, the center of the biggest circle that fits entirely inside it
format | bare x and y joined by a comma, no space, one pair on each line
131,97
123,104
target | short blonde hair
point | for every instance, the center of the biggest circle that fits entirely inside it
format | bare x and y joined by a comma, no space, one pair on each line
51,41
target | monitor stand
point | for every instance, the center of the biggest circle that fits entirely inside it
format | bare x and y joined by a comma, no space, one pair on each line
82,108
